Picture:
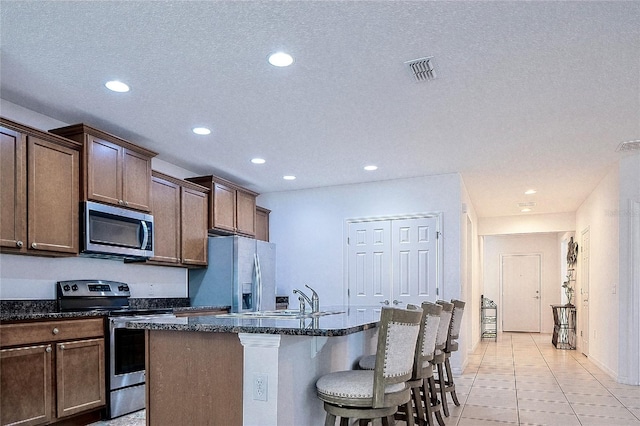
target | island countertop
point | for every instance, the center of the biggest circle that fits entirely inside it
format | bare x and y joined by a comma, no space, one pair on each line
348,321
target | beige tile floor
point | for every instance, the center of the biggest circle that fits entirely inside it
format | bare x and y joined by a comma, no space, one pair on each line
523,380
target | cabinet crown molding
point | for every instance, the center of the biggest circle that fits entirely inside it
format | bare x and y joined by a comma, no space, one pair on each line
76,129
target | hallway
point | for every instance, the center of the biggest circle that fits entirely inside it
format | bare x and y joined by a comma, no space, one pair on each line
522,379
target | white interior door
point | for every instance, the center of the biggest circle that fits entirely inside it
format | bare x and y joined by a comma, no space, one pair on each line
414,248
584,291
520,276
369,246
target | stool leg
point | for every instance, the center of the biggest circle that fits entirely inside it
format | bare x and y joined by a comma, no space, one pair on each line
417,400
450,385
431,399
330,420
443,392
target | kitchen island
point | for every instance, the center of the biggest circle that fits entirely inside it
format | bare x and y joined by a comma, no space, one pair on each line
214,369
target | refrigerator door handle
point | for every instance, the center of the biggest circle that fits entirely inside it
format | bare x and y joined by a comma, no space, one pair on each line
258,288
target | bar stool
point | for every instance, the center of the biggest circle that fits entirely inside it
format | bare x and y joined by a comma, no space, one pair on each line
439,356
377,393
424,396
452,346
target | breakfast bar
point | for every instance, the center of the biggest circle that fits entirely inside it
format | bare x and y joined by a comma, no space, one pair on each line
225,369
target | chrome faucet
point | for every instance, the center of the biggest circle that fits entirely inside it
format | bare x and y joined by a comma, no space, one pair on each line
314,301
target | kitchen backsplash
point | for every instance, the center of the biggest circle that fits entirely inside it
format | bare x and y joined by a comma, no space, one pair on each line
34,278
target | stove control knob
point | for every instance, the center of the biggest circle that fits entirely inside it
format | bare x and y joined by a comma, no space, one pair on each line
120,288
66,287
125,287
74,287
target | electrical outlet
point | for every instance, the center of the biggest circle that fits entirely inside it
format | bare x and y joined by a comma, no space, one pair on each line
260,387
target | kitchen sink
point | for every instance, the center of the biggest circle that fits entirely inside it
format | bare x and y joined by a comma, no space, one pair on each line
278,314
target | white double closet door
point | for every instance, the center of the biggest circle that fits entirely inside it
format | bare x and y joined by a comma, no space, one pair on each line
393,261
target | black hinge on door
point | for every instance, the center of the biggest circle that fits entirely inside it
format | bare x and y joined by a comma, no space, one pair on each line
438,233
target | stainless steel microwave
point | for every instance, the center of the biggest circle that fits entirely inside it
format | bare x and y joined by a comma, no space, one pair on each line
109,231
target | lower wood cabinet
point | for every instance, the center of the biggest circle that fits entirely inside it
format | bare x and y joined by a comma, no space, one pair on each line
55,370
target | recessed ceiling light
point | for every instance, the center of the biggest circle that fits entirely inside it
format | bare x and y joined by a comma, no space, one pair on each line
201,131
117,86
280,59
530,192
289,177
526,210
258,160
370,168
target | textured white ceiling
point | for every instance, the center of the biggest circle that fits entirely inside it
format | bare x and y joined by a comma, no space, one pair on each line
528,94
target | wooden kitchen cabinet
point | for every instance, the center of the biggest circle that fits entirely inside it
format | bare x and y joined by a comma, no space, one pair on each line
38,190
179,209
51,370
114,171
25,376
232,208
262,223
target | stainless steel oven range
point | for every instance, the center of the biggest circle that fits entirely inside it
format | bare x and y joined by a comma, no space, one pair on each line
125,358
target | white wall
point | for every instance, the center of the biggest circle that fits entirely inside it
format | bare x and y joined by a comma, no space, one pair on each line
599,214
31,277
629,278
545,244
470,272
527,223
308,227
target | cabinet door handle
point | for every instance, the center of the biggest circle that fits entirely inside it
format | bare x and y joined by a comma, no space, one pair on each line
396,302
126,203
62,347
48,349
19,244
385,302
120,202
55,330
34,245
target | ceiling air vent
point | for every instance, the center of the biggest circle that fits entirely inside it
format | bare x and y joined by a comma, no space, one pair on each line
629,146
423,69
527,204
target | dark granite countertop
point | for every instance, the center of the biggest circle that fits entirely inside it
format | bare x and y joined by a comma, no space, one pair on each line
25,310
340,324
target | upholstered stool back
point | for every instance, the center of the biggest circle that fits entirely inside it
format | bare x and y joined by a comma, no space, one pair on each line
367,394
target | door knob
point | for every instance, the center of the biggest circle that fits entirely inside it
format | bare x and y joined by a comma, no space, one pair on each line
385,302
396,302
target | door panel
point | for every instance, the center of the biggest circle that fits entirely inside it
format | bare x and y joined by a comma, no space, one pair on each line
414,250
53,173
369,262
13,228
393,261
521,292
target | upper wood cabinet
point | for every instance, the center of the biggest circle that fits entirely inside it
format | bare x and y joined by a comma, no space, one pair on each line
232,208
114,171
262,223
38,191
179,209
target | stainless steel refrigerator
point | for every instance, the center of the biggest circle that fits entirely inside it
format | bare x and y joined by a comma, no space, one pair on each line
241,274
